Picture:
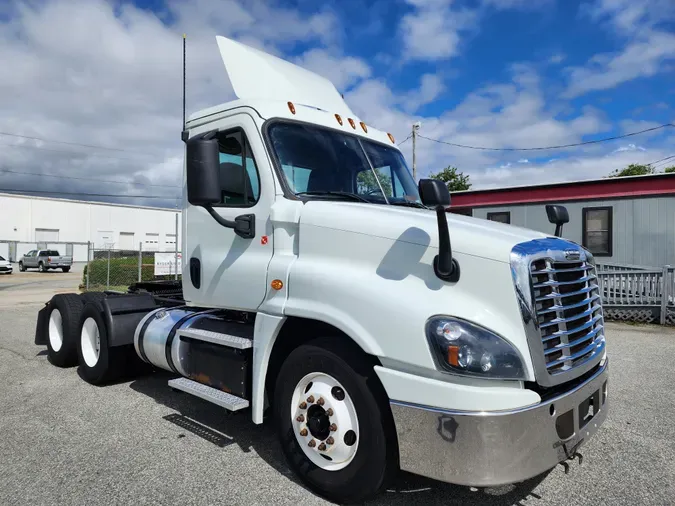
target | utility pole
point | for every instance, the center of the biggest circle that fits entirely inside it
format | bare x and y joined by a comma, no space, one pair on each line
415,127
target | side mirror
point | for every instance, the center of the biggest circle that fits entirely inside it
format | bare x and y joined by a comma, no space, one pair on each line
557,215
203,170
202,158
435,194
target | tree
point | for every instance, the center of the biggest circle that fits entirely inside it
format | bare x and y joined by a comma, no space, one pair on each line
670,169
367,183
634,169
455,180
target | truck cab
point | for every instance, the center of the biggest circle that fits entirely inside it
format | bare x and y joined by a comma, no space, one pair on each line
324,286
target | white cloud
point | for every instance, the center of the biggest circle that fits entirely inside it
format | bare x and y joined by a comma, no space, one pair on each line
629,16
629,147
523,160
340,70
557,58
641,58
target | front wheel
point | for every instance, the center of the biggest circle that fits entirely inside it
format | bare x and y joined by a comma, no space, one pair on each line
21,267
334,422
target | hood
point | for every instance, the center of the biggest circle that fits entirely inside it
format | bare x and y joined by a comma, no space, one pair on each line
470,236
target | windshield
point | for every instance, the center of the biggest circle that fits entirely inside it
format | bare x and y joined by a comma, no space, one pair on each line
320,161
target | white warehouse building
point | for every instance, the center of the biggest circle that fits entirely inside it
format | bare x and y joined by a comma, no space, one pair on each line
69,226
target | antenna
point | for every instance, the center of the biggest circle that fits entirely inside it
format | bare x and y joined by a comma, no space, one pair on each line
184,134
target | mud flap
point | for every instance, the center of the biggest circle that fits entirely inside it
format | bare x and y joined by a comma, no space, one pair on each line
41,326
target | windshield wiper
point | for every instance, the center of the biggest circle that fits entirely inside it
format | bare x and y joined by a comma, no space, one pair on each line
351,196
409,204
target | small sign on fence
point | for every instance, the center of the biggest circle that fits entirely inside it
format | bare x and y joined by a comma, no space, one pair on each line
165,264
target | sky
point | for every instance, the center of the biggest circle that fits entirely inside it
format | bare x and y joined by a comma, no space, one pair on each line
485,73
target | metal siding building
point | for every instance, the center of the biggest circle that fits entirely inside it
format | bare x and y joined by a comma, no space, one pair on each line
642,223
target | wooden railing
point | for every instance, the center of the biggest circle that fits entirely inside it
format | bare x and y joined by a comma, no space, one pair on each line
638,290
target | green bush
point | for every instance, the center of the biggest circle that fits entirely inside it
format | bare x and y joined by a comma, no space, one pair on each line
123,271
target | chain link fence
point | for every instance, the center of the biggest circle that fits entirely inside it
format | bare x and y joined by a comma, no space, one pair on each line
115,270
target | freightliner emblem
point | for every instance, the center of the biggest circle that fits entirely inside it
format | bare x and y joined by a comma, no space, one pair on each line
572,254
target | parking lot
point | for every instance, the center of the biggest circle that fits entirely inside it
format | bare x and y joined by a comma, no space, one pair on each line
137,442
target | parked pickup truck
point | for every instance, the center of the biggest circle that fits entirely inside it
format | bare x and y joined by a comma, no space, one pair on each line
45,259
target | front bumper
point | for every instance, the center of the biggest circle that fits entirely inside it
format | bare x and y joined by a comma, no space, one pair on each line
500,447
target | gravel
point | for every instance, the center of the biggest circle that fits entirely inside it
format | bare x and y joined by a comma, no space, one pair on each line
65,442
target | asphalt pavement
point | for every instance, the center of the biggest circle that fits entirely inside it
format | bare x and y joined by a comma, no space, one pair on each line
66,442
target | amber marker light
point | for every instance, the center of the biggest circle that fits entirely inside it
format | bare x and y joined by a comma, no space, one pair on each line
291,107
277,284
453,355
391,138
351,122
365,128
338,118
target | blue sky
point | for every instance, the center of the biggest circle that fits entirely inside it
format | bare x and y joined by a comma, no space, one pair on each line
497,73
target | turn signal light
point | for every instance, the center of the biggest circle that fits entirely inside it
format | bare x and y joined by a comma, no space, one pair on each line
365,128
453,355
291,107
277,284
351,122
338,118
391,138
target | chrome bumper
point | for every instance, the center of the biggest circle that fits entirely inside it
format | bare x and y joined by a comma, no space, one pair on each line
501,447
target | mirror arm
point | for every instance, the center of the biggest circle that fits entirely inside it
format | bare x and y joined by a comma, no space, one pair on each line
445,266
558,230
243,225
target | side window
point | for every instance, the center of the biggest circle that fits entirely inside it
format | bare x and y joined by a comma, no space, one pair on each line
30,253
239,181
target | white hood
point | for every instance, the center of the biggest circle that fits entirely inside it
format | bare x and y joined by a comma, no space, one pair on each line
258,75
471,236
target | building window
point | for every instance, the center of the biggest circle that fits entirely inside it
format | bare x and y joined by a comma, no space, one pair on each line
597,230
464,211
501,217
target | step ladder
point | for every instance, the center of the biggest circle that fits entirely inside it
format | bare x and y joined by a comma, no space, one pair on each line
218,397
241,343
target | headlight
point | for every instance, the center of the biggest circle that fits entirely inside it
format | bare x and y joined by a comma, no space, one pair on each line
464,348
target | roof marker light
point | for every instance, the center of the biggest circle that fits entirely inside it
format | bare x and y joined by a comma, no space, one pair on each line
291,107
338,118
391,138
351,122
365,128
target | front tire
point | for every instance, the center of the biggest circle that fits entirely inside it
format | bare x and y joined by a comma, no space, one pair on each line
334,422
98,362
62,329
21,267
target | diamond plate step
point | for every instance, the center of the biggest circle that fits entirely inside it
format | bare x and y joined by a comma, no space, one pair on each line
241,343
222,399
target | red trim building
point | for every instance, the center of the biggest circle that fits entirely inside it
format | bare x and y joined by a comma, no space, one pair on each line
628,220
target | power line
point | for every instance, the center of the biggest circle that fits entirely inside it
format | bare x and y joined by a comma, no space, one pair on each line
561,146
407,138
661,161
84,178
168,197
93,146
84,153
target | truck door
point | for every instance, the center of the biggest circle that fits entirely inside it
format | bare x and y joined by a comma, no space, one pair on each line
220,268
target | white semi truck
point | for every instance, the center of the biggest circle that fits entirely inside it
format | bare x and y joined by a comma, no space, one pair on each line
321,285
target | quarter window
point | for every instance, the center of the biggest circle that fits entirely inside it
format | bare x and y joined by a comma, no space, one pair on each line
597,230
239,182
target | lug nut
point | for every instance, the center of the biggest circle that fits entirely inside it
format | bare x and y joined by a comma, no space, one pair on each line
303,432
333,427
310,399
329,411
301,418
320,402
303,405
330,440
311,444
322,447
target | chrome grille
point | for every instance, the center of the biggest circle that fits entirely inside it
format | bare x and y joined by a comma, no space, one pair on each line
568,312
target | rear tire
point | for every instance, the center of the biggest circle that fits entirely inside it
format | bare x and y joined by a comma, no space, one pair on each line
65,269
41,267
355,474
98,362
63,329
